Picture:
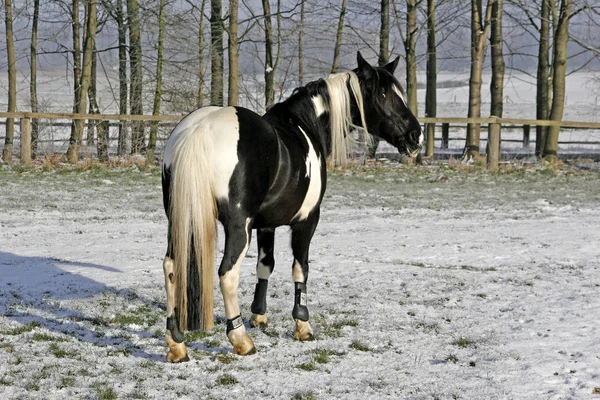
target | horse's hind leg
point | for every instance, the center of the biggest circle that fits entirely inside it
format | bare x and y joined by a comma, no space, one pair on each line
264,269
237,240
302,233
174,337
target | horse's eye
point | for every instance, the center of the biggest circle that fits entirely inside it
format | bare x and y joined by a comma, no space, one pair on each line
383,94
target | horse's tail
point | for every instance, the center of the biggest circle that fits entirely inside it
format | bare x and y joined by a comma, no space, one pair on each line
192,217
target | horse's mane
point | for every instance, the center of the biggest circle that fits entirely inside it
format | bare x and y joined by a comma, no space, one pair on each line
339,87
337,92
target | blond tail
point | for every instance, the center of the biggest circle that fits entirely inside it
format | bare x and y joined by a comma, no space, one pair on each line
192,213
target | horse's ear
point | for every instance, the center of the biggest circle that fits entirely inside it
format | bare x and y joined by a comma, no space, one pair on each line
364,68
391,67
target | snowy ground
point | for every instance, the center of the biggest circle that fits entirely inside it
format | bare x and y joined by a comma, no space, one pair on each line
425,283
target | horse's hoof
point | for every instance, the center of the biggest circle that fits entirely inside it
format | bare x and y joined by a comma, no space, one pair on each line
303,331
259,321
173,358
242,343
241,351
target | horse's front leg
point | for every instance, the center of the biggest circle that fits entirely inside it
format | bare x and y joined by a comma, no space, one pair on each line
264,269
237,240
302,233
174,337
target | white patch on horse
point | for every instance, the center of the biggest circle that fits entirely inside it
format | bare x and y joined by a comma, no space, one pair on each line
397,90
222,124
262,271
319,105
313,172
189,122
230,282
297,272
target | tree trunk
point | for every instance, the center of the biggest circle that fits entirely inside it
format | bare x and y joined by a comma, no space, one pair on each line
479,31
75,139
200,93
543,72
136,73
233,89
383,58
300,46
559,70
216,54
12,83
123,91
33,80
338,39
411,55
88,51
497,82
158,92
271,61
431,94
96,125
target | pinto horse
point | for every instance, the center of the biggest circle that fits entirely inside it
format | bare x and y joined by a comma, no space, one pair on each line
252,172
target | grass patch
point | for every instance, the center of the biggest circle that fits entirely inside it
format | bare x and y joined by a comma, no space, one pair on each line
197,335
322,355
59,352
304,396
4,381
452,358
66,381
104,391
227,380
226,358
212,343
310,366
356,345
463,342
19,330
46,337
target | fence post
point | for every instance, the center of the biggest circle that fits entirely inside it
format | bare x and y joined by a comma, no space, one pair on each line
526,129
493,146
26,142
445,130
430,127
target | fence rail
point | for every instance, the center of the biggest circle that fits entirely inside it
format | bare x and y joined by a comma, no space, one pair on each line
493,124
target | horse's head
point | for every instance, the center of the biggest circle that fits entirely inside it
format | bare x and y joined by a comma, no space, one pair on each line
386,112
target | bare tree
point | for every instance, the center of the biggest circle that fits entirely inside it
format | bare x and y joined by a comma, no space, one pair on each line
431,93
411,54
559,70
497,43
271,61
300,45
12,82
338,39
150,152
233,89
136,74
85,79
543,72
216,53
480,26
33,77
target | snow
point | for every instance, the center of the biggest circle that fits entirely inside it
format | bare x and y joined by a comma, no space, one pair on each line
425,283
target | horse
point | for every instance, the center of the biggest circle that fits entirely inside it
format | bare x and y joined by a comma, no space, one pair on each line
258,173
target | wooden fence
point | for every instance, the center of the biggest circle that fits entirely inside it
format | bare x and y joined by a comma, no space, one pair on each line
493,124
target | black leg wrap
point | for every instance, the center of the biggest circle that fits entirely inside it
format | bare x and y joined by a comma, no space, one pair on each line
234,323
173,327
259,305
300,310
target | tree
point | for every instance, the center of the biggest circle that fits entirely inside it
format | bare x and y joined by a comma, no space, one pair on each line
497,43
300,46
33,78
431,93
85,79
158,92
559,71
271,61
411,54
123,89
542,77
233,89
216,54
338,39
480,26
12,83
200,73
136,74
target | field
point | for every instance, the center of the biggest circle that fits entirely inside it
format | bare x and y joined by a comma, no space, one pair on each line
425,283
